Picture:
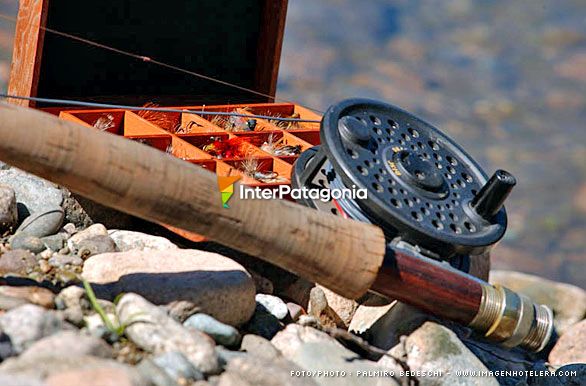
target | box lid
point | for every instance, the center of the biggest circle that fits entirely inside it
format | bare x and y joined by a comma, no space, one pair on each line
236,41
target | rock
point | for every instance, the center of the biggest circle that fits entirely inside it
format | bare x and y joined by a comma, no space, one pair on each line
263,372
8,211
330,356
568,302
294,336
259,347
262,284
74,212
36,295
95,246
153,374
320,309
187,281
107,376
69,300
264,324
344,308
6,348
178,367
60,261
128,240
223,334
571,346
33,194
297,291
55,242
47,366
151,329
382,326
96,327
29,243
295,311
273,305
225,355
20,380
68,343
43,222
433,347
29,323
16,261
88,233
9,302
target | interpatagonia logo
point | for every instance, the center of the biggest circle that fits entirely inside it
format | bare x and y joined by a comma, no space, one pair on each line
226,186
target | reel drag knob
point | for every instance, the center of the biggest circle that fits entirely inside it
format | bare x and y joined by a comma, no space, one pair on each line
493,194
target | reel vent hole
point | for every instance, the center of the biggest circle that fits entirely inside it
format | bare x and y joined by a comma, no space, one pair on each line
414,133
438,225
375,120
392,123
451,160
471,228
377,187
352,153
417,216
396,203
362,170
456,229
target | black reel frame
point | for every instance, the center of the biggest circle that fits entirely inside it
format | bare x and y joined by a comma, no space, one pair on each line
423,189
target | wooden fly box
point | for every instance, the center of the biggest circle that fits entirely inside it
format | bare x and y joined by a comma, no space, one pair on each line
171,54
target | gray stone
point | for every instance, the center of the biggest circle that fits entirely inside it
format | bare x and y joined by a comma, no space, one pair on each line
6,348
262,372
95,246
225,355
150,328
60,261
8,211
68,343
27,242
20,380
43,222
433,347
29,323
33,194
259,347
382,326
55,242
273,305
264,324
571,346
88,233
128,240
223,334
187,281
69,300
178,367
154,375
16,261
568,302
294,336
329,356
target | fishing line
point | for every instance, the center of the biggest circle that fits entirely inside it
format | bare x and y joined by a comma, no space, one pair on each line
73,102
154,61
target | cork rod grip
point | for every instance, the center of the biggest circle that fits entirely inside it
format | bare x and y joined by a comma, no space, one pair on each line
340,254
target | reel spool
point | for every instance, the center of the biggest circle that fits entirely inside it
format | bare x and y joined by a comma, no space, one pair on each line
423,190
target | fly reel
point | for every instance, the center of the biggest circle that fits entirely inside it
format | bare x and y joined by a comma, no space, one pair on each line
422,189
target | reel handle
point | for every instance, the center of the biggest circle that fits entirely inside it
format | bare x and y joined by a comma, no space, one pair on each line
497,313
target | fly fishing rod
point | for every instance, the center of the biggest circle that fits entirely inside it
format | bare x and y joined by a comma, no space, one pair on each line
349,257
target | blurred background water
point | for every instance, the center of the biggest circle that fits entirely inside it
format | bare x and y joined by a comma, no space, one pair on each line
505,79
